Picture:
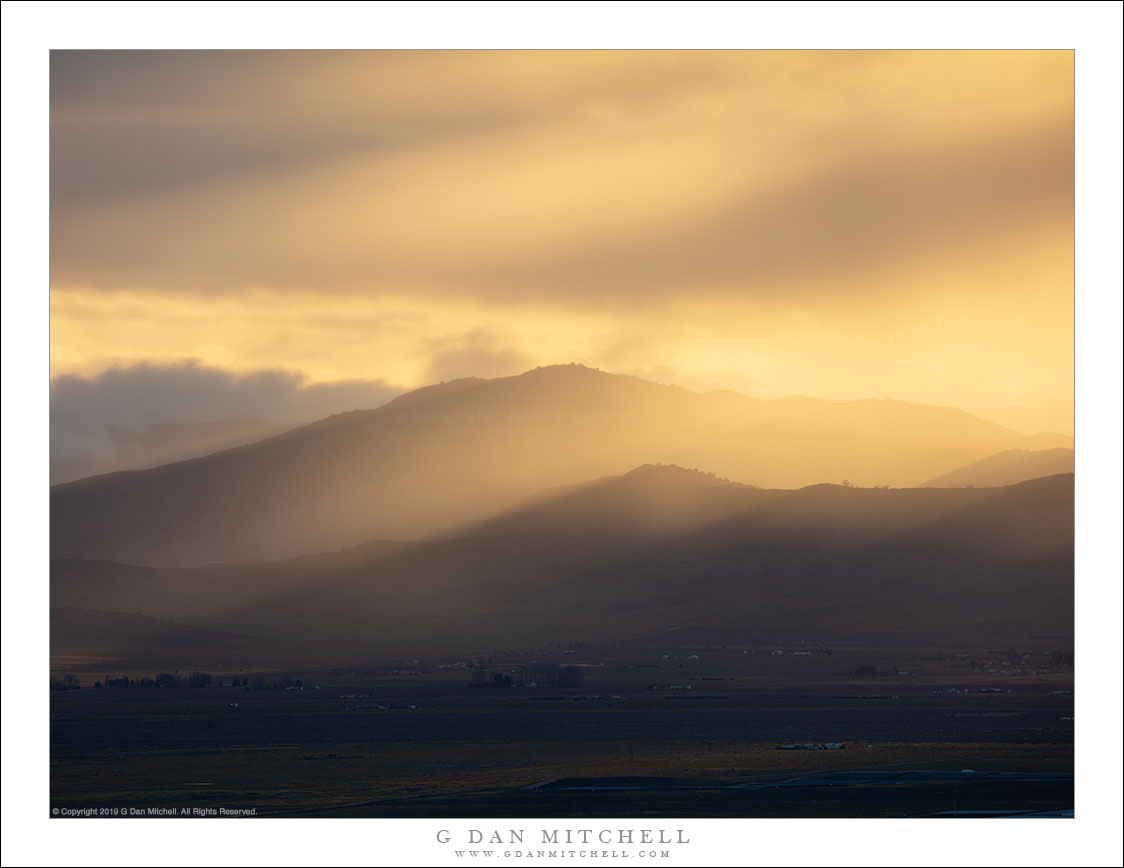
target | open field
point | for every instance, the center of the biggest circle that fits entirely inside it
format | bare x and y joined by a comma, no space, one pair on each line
349,744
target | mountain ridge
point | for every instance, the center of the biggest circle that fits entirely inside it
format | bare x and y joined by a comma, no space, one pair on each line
826,557
1008,468
447,455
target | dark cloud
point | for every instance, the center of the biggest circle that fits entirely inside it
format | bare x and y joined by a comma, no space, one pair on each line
138,123
148,412
98,163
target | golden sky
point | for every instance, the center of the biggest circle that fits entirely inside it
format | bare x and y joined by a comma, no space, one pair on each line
841,224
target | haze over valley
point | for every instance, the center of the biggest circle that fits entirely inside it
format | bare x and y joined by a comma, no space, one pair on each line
500,511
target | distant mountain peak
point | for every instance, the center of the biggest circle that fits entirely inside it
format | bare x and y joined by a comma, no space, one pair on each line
675,472
570,368
450,455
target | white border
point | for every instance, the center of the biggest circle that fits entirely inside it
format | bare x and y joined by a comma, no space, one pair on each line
1092,29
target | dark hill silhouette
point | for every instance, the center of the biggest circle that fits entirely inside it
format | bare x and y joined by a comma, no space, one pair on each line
602,562
214,591
127,640
1008,468
446,455
831,557
652,500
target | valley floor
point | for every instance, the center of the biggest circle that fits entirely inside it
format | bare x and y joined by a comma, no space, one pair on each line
649,732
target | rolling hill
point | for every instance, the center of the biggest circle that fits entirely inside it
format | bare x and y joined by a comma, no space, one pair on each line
156,444
1008,468
655,548
446,456
125,639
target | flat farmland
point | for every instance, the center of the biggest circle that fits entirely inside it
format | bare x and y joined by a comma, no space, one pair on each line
678,737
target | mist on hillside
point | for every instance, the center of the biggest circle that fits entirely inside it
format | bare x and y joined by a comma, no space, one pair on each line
454,453
658,547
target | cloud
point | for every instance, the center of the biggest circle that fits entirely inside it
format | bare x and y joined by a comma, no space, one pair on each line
573,178
147,412
844,224
477,353
157,121
831,232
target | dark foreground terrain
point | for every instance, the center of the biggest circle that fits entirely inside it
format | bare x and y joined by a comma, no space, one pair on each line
684,724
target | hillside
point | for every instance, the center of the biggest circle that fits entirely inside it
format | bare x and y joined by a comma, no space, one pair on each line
127,639
153,445
593,564
651,501
1008,468
445,456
